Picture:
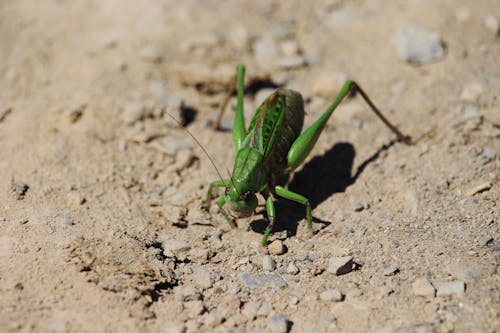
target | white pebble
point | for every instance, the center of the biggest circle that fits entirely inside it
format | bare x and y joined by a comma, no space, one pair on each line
491,22
471,92
451,288
418,46
331,295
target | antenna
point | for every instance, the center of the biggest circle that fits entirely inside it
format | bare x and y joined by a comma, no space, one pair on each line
197,142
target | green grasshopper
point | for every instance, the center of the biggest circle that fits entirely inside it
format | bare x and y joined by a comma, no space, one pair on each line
273,147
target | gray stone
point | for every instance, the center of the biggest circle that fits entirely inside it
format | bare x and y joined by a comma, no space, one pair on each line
451,288
268,263
418,46
274,280
278,323
265,309
340,265
249,281
358,207
391,270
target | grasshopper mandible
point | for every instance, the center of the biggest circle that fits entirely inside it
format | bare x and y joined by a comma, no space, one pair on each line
271,148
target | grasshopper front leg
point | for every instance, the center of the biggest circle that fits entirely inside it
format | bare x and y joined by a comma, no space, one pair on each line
271,214
221,201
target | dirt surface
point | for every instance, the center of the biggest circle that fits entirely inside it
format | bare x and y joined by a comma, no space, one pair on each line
101,225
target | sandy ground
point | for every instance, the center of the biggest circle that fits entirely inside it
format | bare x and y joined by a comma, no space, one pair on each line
101,225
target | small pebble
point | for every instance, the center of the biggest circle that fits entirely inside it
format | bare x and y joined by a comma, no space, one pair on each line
491,22
277,247
174,327
202,278
250,309
266,51
294,300
451,288
422,287
358,207
150,54
488,155
239,36
19,188
172,247
340,265
391,270
462,14
274,280
418,46
331,295
486,240
292,269
289,48
495,247
75,198
289,62
132,112
471,92
249,281
278,323
478,189
268,263
213,320
233,288
301,256
122,145
265,309
194,308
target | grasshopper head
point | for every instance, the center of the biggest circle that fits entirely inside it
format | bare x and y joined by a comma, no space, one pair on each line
241,205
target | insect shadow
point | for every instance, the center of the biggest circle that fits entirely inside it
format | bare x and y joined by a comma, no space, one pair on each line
332,171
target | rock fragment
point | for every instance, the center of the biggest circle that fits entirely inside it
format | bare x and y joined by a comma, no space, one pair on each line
340,265
277,247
